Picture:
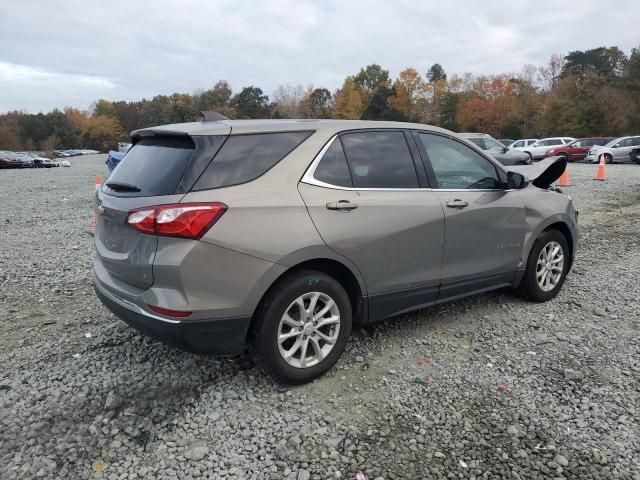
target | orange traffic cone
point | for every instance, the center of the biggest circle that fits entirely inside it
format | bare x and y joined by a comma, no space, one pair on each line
600,174
564,179
93,213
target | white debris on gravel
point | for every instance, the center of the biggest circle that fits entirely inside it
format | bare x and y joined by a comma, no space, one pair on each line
487,387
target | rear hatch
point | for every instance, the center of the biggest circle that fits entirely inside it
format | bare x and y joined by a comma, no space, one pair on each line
158,169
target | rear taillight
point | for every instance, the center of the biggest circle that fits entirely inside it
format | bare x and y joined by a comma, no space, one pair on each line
180,220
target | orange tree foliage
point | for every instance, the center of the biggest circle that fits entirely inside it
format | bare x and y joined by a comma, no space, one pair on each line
492,107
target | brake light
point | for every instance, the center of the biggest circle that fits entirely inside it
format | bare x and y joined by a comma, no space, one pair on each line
180,220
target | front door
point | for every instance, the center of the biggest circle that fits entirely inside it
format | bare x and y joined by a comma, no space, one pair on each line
484,223
366,201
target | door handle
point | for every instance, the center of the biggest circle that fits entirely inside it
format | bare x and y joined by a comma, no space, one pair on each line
457,203
342,205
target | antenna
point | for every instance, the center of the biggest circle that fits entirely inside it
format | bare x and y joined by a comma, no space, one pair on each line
211,116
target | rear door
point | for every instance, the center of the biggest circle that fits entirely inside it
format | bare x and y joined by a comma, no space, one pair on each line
484,223
367,195
149,174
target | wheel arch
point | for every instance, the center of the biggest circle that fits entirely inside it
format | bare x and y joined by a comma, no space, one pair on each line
347,275
563,228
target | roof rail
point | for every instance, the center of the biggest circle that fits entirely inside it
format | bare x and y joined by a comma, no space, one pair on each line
210,116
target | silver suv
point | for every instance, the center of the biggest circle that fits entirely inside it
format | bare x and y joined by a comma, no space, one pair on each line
282,234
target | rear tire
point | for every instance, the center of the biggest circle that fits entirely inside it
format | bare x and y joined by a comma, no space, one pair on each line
292,337
547,267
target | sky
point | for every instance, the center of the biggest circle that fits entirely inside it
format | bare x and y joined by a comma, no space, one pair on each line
55,54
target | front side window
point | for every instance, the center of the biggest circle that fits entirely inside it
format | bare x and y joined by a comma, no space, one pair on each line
457,166
624,143
518,144
379,159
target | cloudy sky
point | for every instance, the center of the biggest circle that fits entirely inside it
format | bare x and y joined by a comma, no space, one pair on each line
70,53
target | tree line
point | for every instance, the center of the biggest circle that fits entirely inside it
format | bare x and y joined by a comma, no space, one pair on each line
591,92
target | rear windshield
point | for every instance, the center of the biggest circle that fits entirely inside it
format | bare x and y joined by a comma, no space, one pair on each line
243,158
152,167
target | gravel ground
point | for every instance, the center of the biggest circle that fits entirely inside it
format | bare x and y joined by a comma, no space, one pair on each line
487,387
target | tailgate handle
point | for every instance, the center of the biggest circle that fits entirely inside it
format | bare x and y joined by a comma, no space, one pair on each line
342,205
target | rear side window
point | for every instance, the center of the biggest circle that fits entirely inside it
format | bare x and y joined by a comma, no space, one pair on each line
333,168
152,167
379,160
243,158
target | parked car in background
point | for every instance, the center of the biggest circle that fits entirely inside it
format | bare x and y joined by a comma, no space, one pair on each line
212,235
62,162
27,161
497,150
9,159
617,150
505,141
123,147
38,160
522,144
538,150
578,149
113,159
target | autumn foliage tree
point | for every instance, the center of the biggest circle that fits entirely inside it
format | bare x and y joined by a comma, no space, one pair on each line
583,93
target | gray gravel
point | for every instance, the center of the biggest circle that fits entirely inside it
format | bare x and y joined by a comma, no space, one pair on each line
487,387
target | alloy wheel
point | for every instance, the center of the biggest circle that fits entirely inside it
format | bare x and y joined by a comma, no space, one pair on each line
308,329
550,266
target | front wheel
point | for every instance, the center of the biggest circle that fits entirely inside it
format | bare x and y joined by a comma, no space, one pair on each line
608,158
547,267
302,327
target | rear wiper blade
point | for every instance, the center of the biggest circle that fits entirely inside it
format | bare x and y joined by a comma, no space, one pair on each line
122,187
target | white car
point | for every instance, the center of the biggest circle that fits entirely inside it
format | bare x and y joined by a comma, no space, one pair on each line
522,144
63,163
617,150
538,149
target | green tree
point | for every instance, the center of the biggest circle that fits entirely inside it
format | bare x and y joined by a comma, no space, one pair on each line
607,62
371,77
251,102
215,99
316,103
436,73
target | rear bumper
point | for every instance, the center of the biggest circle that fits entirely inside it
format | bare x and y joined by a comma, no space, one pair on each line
222,336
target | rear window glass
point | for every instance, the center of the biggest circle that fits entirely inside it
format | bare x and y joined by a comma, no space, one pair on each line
243,158
153,166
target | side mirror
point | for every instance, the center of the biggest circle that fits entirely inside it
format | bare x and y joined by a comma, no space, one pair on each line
505,149
516,181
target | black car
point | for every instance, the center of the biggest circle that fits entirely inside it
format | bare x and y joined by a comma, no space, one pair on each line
9,160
